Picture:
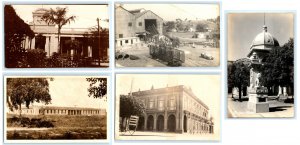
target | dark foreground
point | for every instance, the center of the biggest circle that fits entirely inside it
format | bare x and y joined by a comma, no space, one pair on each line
64,127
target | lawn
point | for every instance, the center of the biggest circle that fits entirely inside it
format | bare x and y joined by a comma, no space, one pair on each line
65,127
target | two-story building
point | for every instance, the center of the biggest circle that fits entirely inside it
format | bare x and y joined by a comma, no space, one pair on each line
173,109
132,26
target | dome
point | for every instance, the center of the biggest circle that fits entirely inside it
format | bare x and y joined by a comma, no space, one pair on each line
264,38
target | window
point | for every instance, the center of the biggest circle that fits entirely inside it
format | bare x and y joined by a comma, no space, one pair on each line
151,103
126,41
120,35
129,24
140,24
172,103
161,103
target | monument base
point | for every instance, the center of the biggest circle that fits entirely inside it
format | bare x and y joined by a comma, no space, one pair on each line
258,103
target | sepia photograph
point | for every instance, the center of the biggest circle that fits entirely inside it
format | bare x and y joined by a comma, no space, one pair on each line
55,108
167,107
56,36
260,66
167,35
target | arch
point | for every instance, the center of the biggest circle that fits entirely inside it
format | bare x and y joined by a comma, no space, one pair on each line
171,123
184,123
160,123
150,122
141,123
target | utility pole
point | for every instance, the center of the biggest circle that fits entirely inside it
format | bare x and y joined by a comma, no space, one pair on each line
100,50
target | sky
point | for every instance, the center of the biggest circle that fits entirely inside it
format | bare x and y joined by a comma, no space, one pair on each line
170,12
72,91
243,28
86,14
205,87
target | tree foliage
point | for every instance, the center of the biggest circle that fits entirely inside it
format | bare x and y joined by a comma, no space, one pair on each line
169,26
129,105
93,40
278,68
98,87
238,76
58,17
201,27
26,91
16,31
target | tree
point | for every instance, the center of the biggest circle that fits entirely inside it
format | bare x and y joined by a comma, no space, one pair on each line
93,40
16,31
169,26
59,18
278,68
98,87
26,91
129,105
201,27
239,76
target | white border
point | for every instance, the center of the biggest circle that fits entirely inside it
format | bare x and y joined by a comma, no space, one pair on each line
108,115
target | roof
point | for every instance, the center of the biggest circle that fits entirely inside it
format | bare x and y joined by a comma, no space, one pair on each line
137,12
264,38
137,15
69,108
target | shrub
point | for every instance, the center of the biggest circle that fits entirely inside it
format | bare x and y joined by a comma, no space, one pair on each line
36,58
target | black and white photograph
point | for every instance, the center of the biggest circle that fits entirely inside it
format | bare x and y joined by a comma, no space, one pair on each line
167,107
55,108
167,35
56,36
260,66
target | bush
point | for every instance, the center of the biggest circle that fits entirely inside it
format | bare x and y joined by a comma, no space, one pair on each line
26,122
36,58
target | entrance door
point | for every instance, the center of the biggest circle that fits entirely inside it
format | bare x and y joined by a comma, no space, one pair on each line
150,122
185,124
149,23
160,123
171,123
141,123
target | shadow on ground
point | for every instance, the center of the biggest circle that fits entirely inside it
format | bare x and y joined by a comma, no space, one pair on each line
280,108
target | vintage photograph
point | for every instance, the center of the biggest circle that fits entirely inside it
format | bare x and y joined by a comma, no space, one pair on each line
55,108
167,107
167,35
56,36
260,66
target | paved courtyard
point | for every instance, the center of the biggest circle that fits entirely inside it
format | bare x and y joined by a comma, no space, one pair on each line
141,135
277,109
192,57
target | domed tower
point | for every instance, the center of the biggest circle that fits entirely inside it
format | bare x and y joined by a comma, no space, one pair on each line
262,44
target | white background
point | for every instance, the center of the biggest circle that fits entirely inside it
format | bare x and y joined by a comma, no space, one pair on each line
233,131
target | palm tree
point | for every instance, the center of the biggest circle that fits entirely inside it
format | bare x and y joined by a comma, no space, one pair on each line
59,18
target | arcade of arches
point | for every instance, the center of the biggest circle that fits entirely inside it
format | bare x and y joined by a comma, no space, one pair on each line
160,123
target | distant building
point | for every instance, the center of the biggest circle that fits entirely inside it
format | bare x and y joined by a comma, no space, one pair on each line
51,110
134,25
173,109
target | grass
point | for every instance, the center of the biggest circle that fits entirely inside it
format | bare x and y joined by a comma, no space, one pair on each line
65,127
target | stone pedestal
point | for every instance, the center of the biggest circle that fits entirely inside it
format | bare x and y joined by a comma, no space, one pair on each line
258,103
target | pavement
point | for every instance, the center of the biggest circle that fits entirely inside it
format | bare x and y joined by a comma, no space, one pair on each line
278,109
147,135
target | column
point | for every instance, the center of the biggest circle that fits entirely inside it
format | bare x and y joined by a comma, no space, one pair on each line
33,43
145,122
47,47
154,126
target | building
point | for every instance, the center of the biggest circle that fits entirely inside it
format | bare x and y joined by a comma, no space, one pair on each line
173,109
46,38
132,26
51,110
